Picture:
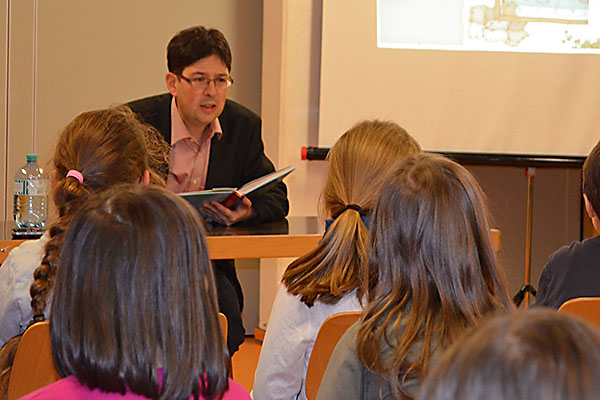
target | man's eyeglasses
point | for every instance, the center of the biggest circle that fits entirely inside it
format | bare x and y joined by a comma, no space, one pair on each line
201,82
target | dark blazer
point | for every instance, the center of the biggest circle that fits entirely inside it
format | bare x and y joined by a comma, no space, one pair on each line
235,159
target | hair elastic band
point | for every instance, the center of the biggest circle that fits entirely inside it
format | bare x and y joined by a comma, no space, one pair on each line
354,207
75,174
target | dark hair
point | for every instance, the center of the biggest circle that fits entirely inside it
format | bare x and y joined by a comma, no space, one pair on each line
107,147
135,292
195,43
530,355
432,270
591,177
359,164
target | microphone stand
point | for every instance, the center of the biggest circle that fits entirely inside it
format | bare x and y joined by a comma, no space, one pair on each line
526,290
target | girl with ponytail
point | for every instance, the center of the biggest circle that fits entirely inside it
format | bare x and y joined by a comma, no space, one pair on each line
328,279
432,273
95,151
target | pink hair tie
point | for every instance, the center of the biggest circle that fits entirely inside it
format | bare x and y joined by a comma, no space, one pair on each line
75,174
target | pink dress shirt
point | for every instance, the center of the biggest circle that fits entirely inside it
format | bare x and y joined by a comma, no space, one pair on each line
188,163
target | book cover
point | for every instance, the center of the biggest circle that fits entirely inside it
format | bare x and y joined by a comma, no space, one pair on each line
229,197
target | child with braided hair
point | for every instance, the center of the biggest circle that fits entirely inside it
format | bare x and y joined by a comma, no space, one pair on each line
96,150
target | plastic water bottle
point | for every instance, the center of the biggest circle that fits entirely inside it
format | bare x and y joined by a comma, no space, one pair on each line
30,195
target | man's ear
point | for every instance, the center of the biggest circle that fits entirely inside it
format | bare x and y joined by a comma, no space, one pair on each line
145,178
589,208
592,213
171,80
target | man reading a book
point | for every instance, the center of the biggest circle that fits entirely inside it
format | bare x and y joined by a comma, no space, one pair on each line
215,142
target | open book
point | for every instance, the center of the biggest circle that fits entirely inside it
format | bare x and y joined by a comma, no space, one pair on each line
229,197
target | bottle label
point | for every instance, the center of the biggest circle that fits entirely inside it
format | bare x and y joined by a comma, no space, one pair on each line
30,187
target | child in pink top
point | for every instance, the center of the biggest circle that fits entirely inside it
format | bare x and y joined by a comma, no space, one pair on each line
134,312
70,388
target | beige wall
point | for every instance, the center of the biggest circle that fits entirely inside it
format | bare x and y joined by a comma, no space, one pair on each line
290,99
290,96
3,90
556,215
68,56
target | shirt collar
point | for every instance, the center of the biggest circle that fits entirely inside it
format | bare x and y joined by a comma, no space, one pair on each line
179,131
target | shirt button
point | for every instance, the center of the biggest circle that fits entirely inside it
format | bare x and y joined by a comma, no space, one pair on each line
195,182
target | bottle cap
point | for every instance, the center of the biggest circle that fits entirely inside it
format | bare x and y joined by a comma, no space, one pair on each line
32,157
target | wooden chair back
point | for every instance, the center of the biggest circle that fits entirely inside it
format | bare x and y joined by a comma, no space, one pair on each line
587,308
223,323
6,246
330,333
33,367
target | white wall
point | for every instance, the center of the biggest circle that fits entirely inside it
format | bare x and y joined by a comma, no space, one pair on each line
290,98
290,112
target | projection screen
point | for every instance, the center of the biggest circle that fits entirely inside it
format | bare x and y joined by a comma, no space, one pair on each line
511,77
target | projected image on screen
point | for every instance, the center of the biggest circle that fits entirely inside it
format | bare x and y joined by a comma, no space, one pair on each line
537,26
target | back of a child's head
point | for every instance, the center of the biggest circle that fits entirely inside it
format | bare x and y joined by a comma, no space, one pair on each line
359,164
432,267
591,177
135,293
101,148
107,147
530,355
431,238
360,161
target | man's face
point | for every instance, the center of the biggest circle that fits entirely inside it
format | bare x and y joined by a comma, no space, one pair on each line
199,107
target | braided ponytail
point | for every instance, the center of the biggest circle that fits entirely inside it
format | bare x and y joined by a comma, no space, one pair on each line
69,195
107,147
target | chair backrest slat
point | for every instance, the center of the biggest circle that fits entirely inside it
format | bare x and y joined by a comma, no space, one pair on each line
33,367
329,334
587,308
224,326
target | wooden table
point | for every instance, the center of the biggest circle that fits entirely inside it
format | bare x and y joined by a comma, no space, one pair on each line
291,237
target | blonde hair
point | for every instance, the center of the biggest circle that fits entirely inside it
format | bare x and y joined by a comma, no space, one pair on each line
360,163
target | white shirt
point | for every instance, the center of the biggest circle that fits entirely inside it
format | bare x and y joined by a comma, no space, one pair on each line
16,276
288,343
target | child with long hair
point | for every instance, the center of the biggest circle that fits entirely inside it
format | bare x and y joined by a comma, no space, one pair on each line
134,311
534,354
328,279
432,272
96,150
